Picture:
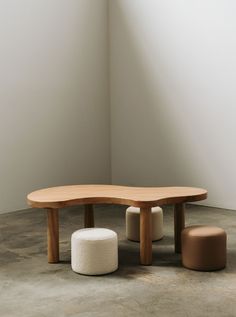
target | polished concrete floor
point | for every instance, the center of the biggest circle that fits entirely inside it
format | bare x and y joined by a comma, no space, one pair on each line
31,287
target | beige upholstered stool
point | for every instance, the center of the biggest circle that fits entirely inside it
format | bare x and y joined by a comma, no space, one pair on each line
94,251
133,223
203,248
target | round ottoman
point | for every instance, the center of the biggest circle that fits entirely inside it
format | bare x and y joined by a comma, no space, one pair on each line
94,251
203,248
133,223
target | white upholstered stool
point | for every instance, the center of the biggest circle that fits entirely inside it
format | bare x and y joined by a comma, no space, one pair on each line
94,251
133,223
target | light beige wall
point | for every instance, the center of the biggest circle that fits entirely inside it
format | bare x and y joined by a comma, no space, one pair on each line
173,97
54,111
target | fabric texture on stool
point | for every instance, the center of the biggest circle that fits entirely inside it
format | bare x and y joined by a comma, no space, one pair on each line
133,223
203,248
94,251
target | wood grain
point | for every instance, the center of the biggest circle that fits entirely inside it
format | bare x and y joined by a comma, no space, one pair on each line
146,236
62,196
53,235
88,216
179,225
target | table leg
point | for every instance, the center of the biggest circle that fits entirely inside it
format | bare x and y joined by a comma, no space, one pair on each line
88,216
179,219
146,236
53,235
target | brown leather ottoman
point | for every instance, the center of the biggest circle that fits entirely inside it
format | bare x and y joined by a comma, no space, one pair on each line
203,248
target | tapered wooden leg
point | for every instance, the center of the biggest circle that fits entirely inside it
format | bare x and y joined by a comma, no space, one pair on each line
179,218
88,216
53,235
145,236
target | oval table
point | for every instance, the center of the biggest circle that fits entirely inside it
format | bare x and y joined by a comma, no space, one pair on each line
144,197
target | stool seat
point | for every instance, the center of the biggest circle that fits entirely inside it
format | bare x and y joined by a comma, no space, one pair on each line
203,248
133,223
94,251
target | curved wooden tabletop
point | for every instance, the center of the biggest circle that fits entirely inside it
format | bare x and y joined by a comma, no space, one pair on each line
62,196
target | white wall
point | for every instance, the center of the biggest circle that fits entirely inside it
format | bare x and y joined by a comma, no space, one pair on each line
172,78
54,110
173,95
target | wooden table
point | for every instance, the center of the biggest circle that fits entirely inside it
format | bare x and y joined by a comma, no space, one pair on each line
144,197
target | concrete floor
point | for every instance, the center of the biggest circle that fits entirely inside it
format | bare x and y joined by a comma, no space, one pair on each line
31,287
